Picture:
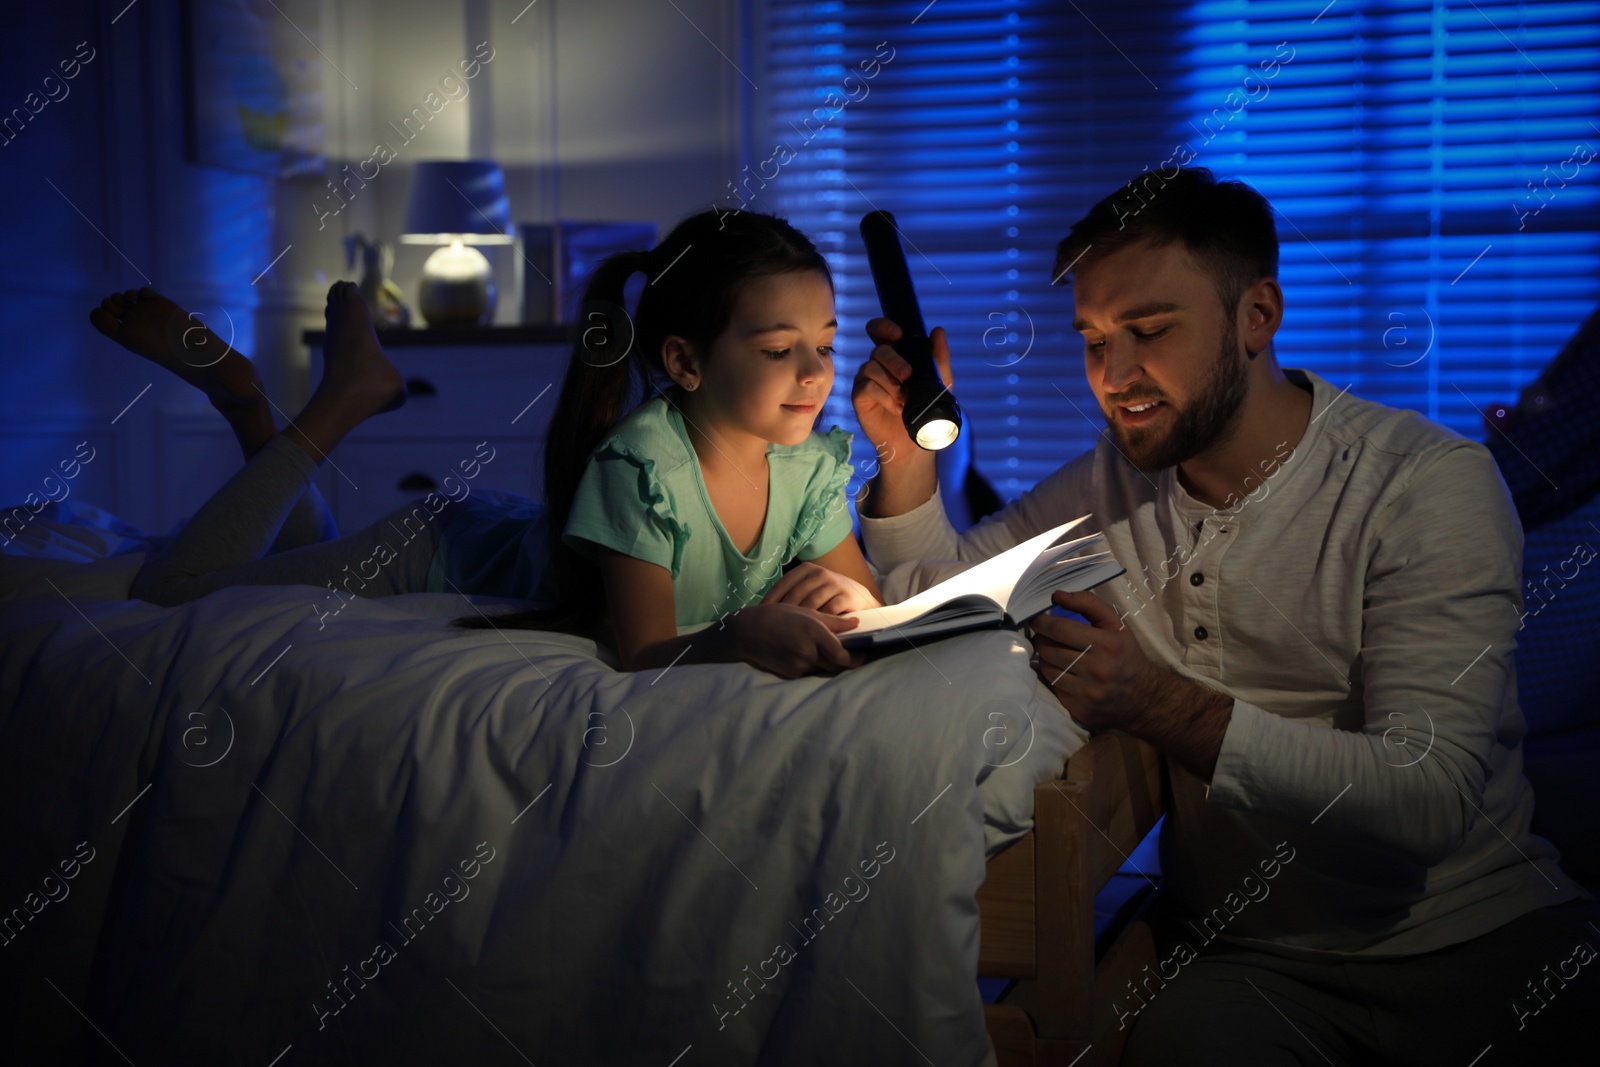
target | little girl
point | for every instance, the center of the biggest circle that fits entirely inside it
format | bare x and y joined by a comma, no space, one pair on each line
683,513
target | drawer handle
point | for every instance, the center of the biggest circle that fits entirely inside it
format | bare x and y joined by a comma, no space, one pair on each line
416,481
420,387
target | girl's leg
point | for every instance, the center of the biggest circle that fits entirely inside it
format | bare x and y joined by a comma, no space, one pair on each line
241,521
148,324
309,523
390,557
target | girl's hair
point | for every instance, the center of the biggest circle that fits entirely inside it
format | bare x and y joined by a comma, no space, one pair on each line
693,281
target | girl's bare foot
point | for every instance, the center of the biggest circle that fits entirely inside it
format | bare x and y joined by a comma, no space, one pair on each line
354,368
358,381
148,324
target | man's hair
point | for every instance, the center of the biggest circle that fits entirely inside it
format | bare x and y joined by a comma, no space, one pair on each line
1227,226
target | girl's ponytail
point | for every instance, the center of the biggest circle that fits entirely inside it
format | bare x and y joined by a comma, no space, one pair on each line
602,378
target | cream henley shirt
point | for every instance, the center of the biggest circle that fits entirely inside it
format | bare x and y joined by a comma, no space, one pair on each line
1360,607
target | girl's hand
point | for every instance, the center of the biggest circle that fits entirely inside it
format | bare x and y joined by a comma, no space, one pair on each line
809,586
790,641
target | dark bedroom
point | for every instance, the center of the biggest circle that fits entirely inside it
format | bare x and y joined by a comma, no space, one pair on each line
702,532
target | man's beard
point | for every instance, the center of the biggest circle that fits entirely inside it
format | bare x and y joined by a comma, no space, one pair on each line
1209,419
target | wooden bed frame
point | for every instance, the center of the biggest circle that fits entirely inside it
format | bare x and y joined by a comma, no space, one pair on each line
1037,909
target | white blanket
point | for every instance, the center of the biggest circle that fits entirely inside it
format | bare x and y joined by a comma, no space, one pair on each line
388,840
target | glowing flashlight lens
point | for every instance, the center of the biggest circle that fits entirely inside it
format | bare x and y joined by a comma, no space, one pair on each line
937,433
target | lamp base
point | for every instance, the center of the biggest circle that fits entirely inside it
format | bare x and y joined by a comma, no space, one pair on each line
457,287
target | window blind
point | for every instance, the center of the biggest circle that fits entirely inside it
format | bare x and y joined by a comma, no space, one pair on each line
1440,237
1435,168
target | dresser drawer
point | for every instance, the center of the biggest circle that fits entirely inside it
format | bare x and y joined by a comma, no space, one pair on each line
367,478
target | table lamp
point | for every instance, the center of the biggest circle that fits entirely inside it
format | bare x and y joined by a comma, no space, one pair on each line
455,204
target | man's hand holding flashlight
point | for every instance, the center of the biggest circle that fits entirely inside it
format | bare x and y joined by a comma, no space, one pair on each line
906,474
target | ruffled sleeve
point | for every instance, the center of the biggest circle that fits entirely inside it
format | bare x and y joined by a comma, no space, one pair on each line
825,518
623,504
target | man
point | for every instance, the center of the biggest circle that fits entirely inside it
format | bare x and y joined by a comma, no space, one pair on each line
1316,627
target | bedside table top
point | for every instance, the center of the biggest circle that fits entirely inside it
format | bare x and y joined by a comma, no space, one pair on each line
455,337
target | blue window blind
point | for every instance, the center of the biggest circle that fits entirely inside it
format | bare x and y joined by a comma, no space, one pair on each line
1441,236
1436,169
934,137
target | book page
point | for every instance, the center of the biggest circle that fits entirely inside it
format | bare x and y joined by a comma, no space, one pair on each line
1078,572
961,615
1050,560
993,578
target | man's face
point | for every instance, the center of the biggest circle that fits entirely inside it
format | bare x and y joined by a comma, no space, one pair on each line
1155,332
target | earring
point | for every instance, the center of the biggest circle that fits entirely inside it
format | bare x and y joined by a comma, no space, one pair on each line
691,386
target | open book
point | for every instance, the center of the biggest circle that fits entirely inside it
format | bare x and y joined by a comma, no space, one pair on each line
1001,592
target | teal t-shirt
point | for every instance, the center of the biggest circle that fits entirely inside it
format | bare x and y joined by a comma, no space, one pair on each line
643,495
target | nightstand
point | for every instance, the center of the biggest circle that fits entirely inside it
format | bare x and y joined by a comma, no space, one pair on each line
464,387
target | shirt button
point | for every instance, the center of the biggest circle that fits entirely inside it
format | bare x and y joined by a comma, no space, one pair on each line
1200,633
1196,578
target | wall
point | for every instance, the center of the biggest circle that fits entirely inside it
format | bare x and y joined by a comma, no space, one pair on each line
632,102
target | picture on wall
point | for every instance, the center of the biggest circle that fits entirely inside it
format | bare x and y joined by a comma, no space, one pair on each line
255,73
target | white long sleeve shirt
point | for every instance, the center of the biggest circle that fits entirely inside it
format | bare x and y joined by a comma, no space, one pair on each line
1360,607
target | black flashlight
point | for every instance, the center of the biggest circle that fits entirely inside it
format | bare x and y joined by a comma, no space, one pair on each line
932,416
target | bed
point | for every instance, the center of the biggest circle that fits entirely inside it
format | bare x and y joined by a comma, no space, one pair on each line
238,831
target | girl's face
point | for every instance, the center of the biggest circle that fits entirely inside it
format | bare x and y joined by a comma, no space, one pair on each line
772,368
